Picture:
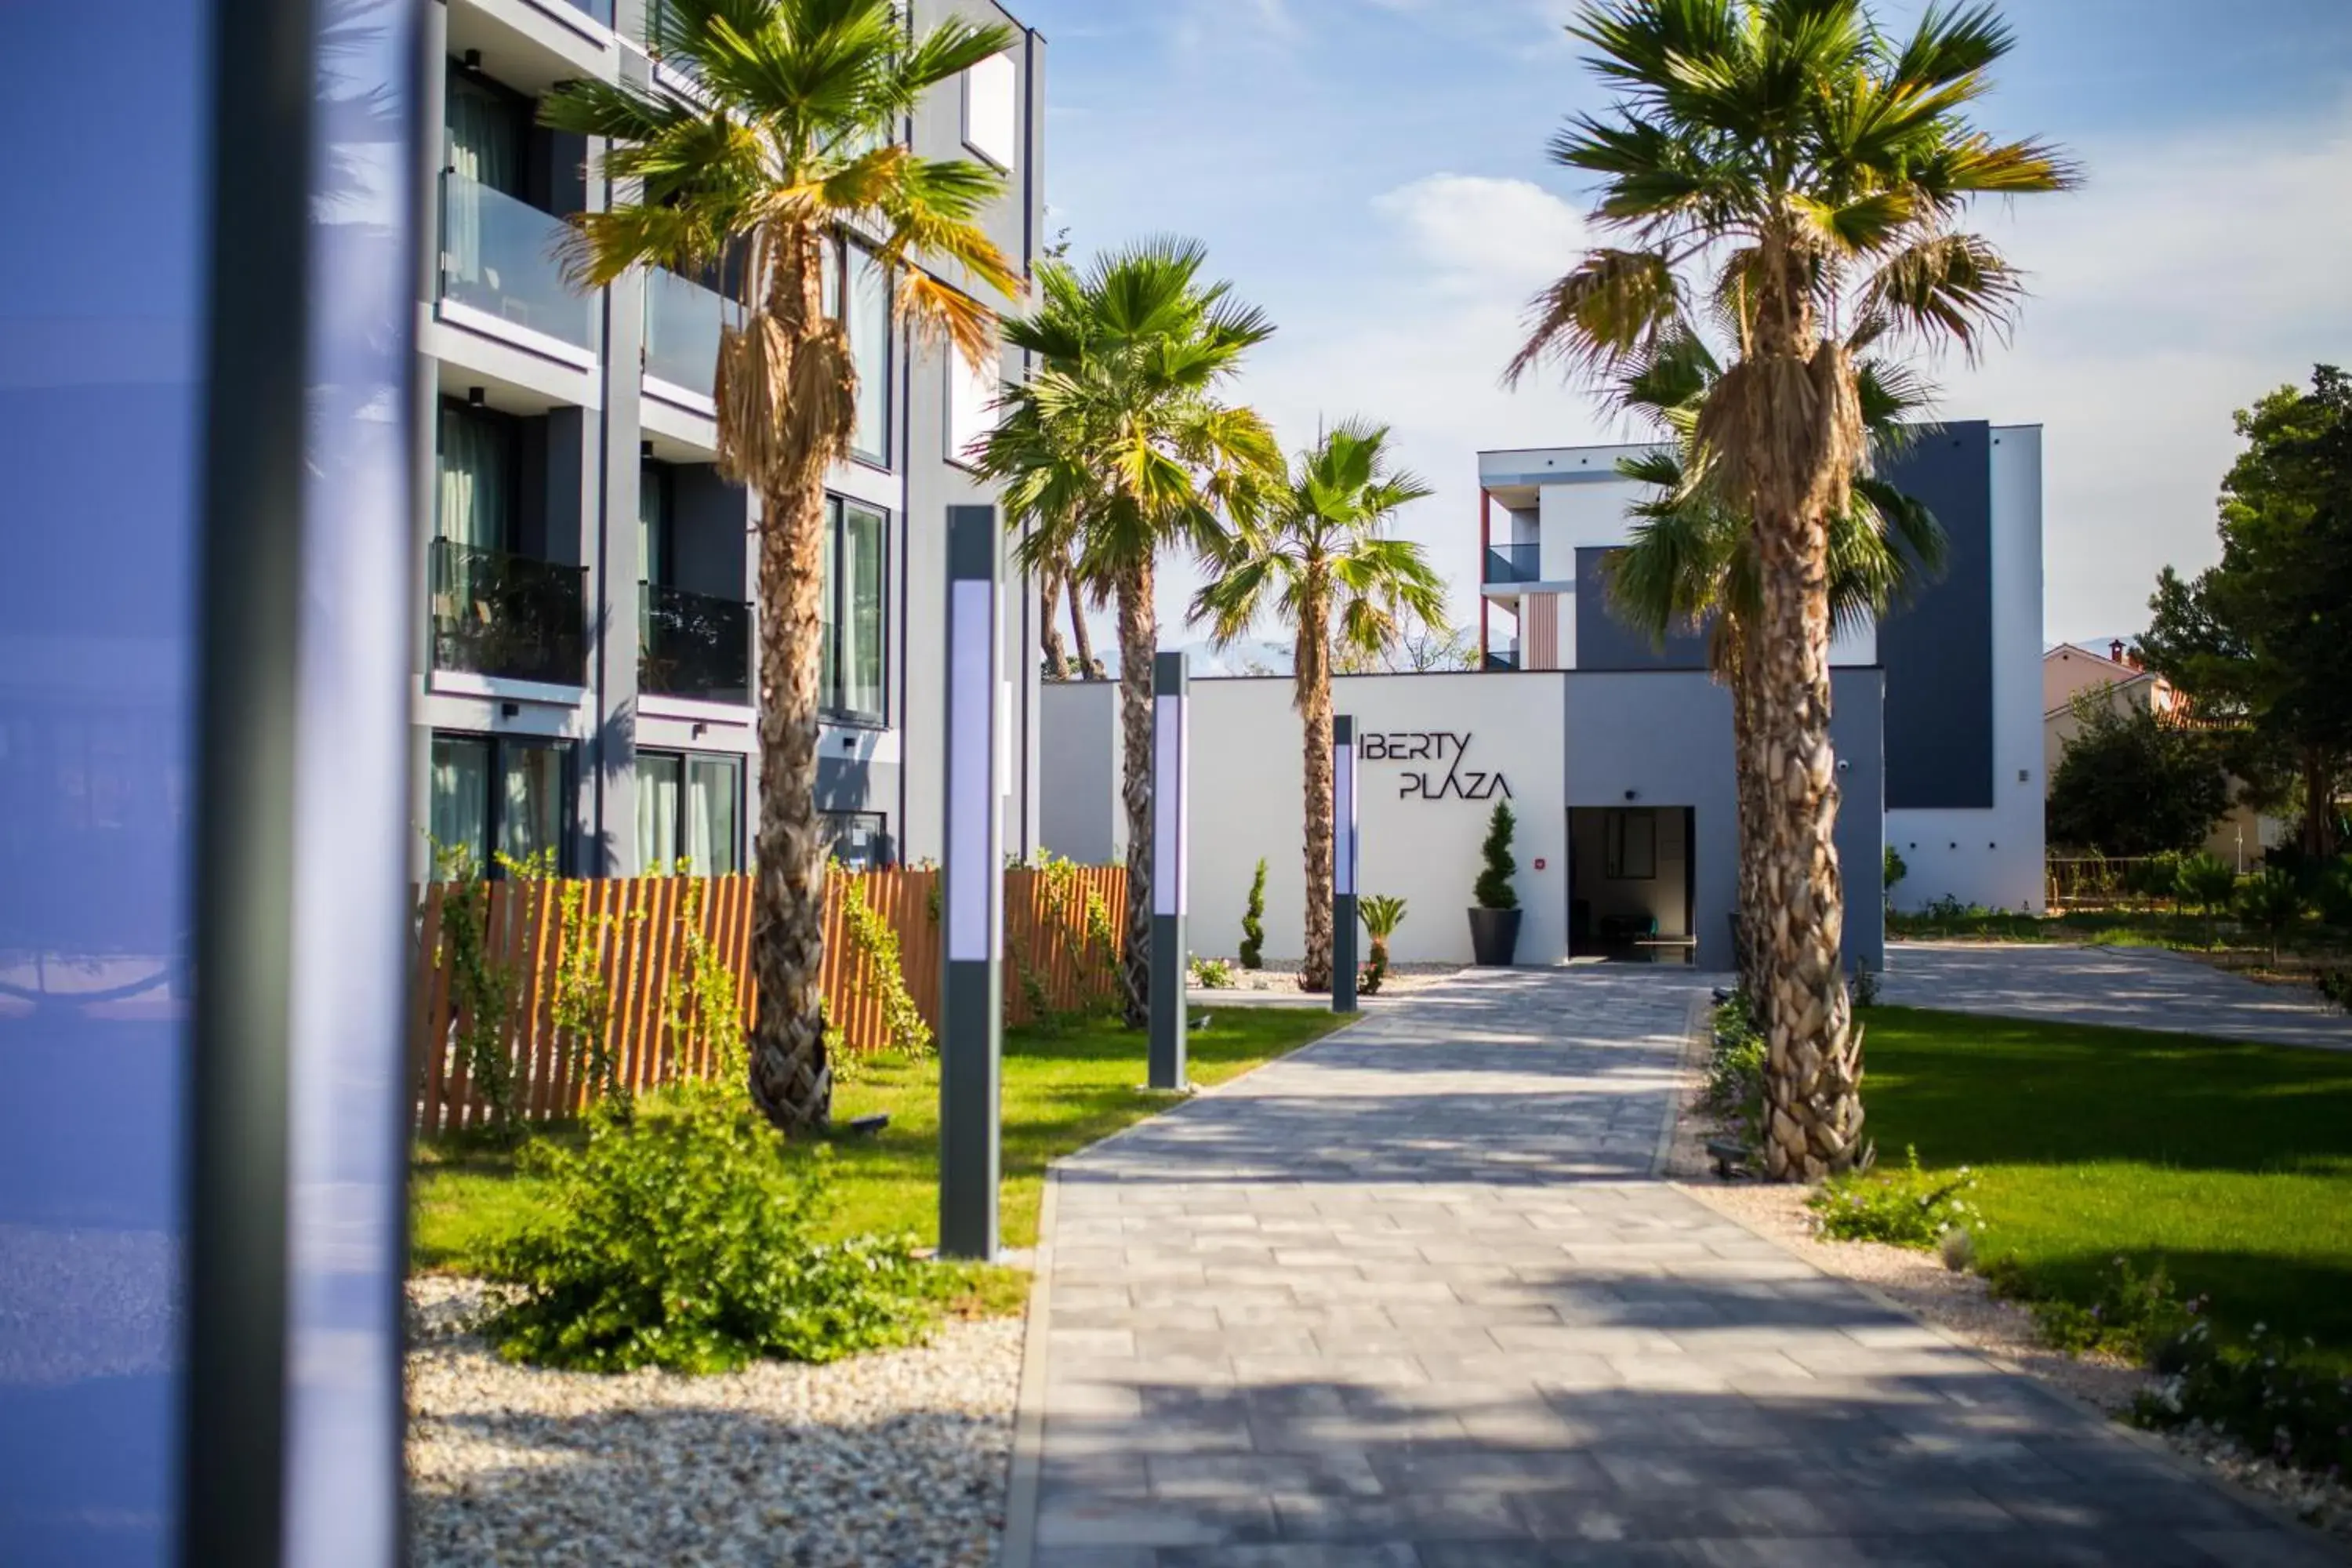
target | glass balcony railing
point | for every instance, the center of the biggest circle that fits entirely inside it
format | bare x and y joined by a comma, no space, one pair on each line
692,644
498,257
511,615
1514,563
682,322
1501,656
594,10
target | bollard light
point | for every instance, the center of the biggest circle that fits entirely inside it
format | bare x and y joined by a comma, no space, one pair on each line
1171,844
972,1028
1343,864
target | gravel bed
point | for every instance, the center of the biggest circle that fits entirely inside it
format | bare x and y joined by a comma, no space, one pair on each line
892,1460
1281,975
1963,1305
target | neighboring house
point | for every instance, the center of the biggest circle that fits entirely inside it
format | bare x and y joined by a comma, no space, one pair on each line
1616,755
2072,674
586,655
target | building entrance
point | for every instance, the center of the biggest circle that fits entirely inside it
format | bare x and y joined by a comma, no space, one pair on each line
1632,883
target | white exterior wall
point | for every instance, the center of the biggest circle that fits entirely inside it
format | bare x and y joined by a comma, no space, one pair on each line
1247,802
1995,857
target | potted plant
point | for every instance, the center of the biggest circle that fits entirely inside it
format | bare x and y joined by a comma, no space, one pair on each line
1381,914
1494,918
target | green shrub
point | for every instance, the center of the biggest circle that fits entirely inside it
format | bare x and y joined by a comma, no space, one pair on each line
2157,876
1381,914
2206,882
1211,973
1494,890
1896,869
2137,1315
681,1239
2272,905
1909,1208
2335,984
2274,1396
1253,953
2332,891
1735,1071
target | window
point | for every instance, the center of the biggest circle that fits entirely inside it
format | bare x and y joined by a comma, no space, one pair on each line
1633,849
861,839
690,814
496,797
856,572
483,134
480,488
974,393
992,118
653,512
870,348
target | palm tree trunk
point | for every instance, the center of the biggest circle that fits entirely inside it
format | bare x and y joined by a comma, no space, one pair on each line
1080,637
1138,639
1312,677
1813,1073
1049,629
1748,774
790,1079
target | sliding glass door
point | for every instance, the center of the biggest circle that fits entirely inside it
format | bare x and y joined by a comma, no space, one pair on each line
690,814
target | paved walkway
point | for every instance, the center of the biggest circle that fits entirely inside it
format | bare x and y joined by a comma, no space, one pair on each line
2129,987
1410,1299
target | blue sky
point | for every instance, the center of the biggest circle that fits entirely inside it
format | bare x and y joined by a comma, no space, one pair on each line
1372,172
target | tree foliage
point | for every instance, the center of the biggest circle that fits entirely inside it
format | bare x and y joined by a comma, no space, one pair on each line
2261,638
2131,785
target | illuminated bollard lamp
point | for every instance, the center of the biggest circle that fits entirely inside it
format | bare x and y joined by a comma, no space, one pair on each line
1343,864
1171,844
971,1034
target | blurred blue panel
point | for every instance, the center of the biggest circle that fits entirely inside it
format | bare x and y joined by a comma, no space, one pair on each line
101,291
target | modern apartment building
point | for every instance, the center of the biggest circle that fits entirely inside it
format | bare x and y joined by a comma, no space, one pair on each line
585,655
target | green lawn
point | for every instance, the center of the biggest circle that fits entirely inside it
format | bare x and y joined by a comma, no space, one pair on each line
2185,932
1062,1091
2232,1163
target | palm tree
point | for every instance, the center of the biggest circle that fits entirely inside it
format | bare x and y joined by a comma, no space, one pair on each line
792,137
1690,562
1804,171
1118,445
1319,561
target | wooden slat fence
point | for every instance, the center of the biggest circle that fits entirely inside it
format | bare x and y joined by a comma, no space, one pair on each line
628,942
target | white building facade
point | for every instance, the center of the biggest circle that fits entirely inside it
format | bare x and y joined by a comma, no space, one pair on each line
1614,753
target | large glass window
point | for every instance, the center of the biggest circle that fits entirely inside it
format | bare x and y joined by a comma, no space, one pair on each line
653,512
483,134
856,574
690,814
495,796
869,346
479,478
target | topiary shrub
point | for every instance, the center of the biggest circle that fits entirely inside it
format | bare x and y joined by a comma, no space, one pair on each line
1494,890
1252,952
1909,1208
2271,904
681,1239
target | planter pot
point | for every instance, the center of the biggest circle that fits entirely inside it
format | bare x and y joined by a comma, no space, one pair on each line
1493,937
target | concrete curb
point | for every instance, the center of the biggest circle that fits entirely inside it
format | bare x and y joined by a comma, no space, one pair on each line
2147,1442
1017,1547
1697,1029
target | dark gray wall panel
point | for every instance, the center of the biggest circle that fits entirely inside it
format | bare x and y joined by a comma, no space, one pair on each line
1603,642
1938,651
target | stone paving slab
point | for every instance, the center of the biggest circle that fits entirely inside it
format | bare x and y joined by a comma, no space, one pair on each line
2123,987
1471,1329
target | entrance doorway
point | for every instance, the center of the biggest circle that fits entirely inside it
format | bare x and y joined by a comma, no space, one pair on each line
1632,883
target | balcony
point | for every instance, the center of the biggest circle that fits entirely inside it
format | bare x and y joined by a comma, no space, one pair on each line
682,323
498,258
594,10
690,645
1502,658
1508,563
509,616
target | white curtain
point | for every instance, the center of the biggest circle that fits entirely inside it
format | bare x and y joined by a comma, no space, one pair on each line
476,457
658,803
869,347
713,794
484,140
861,600
531,817
461,797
